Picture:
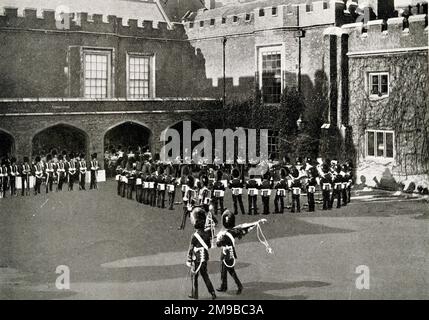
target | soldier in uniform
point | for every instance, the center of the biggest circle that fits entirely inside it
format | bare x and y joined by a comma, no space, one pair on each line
281,190
49,173
252,195
5,177
94,171
266,187
338,183
131,177
326,185
296,190
170,181
13,173
236,185
38,174
160,180
311,188
188,200
61,172
218,193
198,253
152,186
139,181
72,171
82,172
25,173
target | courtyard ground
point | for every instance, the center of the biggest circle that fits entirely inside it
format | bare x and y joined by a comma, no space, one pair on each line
119,249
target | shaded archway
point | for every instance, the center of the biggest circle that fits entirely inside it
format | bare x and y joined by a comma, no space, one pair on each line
7,144
128,135
60,137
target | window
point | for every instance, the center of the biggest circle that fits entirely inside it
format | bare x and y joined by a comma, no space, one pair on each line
202,23
223,20
139,76
235,18
212,22
308,7
247,16
191,25
270,74
273,143
274,11
379,143
325,5
379,84
97,73
261,12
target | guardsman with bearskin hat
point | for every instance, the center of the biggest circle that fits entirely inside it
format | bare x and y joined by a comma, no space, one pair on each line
25,173
218,193
131,177
49,173
94,171
13,173
338,184
204,194
266,187
72,171
170,181
139,182
188,199
326,185
281,187
152,186
160,190
82,171
61,172
38,174
4,177
311,188
198,253
295,185
252,195
236,185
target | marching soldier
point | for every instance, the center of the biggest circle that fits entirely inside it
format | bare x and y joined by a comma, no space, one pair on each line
281,189
266,187
25,174
198,253
13,173
82,172
94,171
349,176
252,195
38,174
72,171
218,193
236,185
204,195
344,180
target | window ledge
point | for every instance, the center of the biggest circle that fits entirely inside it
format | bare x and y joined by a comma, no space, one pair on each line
377,97
381,160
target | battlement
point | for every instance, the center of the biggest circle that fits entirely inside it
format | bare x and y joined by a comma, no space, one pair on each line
43,19
314,13
396,33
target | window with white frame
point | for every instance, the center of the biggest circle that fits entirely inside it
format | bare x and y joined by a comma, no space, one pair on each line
97,71
270,74
379,84
273,143
139,76
380,143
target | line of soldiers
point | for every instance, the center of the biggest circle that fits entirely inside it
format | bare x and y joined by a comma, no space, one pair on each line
63,169
154,182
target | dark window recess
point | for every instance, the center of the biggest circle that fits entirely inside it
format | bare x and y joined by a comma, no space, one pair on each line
261,12
212,22
247,16
274,11
235,19
201,23
223,20
271,77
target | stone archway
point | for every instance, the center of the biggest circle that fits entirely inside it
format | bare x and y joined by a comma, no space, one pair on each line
7,144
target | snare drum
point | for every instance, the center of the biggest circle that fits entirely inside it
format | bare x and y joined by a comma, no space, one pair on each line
281,192
252,192
296,191
145,184
124,179
266,192
237,191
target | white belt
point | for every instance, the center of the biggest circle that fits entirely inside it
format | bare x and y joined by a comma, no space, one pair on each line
326,186
296,191
281,192
161,187
311,189
170,187
219,193
266,192
338,185
138,181
253,192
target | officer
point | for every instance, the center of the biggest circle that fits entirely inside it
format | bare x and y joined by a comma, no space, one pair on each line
198,253
236,185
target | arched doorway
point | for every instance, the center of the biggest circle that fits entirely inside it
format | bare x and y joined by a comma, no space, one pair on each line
125,136
60,137
7,144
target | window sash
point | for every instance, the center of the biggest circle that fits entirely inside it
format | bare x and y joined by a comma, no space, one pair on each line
139,76
379,84
271,73
96,73
380,144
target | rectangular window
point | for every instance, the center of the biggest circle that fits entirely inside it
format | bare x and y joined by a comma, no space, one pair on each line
325,5
201,23
379,143
212,22
139,76
274,11
270,69
97,66
235,19
247,16
379,84
191,25
223,20
273,143
261,12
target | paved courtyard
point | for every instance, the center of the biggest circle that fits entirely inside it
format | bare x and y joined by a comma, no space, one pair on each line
119,249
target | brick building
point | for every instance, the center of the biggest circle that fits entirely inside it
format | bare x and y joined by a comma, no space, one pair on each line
154,63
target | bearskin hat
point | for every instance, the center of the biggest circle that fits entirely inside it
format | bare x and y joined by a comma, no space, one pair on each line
325,168
295,173
191,181
313,172
219,175
198,218
228,219
235,173
205,180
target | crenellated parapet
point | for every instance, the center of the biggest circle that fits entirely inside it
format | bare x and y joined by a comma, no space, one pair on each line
50,20
395,33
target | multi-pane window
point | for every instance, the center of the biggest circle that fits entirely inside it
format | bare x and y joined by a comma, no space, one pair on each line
271,75
273,143
379,84
97,74
139,76
379,143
